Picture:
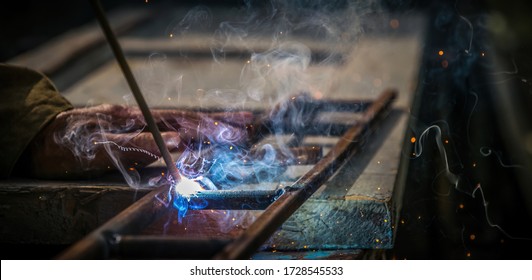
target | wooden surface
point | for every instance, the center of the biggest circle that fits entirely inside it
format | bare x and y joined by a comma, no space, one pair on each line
351,211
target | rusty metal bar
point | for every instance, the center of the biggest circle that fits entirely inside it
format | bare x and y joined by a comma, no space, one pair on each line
235,199
198,162
280,210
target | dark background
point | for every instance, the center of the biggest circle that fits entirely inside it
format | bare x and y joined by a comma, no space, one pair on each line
438,220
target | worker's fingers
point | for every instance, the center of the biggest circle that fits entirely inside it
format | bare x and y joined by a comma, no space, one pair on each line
115,117
215,127
193,127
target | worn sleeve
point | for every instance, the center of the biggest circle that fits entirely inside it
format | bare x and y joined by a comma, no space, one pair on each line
28,102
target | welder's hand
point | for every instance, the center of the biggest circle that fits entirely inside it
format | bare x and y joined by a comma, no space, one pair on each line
87,142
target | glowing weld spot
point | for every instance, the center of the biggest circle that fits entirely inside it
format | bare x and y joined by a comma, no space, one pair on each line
184,190
187,187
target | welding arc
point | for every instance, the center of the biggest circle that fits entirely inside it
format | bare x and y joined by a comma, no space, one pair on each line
135,89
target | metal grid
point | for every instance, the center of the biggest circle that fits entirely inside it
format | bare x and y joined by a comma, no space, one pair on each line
123,237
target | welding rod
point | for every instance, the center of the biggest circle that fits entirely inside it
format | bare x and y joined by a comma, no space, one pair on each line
135,89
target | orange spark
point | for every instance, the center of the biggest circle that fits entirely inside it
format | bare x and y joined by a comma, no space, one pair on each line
394,23
440,53
413,140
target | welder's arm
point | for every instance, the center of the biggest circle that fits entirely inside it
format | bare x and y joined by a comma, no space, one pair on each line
46,138
29,101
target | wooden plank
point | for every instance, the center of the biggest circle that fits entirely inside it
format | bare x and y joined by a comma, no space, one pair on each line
378,178
334,225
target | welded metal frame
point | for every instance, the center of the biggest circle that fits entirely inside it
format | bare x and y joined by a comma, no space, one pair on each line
118,238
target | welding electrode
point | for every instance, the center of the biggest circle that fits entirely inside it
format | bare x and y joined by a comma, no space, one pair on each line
119,55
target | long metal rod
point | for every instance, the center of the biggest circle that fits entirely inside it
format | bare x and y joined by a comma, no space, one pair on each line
280,210
135,89
234,199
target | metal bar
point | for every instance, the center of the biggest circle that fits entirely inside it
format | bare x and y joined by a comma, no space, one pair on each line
195,163
235,199
135,89
280,210
133,219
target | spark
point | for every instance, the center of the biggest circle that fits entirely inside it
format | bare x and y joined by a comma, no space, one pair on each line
413,140
171,35
440,53
394,23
